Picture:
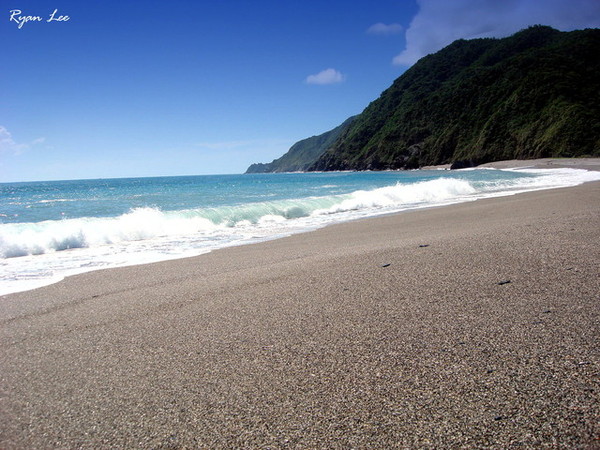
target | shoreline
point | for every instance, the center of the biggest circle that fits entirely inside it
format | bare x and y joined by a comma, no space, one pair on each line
591,164
473,324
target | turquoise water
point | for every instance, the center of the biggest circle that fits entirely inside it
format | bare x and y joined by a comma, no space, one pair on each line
49,230
56,200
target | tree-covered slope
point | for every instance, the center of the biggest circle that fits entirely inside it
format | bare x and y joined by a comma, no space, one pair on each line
303,153
534,94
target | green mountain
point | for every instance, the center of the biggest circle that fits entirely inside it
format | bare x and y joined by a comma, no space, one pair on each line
531,95
303,153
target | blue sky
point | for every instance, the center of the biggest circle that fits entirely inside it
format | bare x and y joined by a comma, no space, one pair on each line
150,88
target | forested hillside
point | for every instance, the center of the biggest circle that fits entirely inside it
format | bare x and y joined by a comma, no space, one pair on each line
534,94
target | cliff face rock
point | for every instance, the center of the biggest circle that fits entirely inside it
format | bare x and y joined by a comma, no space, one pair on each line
303,153
531,95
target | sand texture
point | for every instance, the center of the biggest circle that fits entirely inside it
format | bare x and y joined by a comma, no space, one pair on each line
472,325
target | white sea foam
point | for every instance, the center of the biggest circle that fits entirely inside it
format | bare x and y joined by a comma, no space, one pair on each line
21,239
146,224
34,254
403,196
58,200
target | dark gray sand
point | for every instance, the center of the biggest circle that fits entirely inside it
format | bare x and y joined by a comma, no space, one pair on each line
471,325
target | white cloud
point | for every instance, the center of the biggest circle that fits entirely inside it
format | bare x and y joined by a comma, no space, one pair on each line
440,22
327,76
383,29
9,145
38,141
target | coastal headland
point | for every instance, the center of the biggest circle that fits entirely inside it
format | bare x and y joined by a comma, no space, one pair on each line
475,325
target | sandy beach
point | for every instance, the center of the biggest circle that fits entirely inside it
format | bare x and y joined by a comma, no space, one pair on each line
471,325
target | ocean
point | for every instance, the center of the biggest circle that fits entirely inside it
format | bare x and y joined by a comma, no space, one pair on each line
50,230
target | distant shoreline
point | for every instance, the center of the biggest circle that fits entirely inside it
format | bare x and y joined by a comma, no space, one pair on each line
541,163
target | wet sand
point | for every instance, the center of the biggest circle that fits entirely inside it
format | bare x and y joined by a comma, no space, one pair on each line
468,325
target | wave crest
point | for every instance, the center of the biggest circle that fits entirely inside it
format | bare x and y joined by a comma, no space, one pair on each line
139,224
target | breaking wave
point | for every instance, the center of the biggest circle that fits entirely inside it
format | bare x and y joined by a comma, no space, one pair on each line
21,239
